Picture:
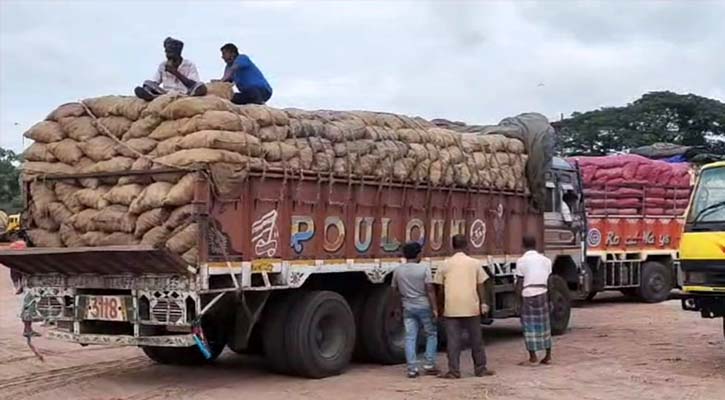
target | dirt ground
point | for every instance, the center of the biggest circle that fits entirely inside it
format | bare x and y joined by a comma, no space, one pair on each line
616,349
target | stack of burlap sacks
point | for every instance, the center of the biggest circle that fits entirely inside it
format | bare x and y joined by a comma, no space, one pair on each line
119,134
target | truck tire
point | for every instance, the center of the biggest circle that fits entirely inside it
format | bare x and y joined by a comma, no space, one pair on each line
656,282
383,334
320,335
357,305
189,355
559,305
274,326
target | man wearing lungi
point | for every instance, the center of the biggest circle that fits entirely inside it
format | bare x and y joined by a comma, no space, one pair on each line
532,276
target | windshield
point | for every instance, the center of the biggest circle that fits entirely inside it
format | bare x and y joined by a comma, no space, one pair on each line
710,191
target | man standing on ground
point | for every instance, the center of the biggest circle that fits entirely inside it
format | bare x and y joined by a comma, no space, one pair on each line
414,282
532,276
175,75
253,87
462,278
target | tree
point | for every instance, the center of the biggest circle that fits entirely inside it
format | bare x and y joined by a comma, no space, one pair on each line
10,198
668,117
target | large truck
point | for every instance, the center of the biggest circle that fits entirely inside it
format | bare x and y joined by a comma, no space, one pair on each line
295,267
702,249
632,250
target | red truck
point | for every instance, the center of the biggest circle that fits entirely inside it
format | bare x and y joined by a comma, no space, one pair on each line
294,267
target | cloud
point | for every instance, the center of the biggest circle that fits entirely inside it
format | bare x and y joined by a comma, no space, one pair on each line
472,61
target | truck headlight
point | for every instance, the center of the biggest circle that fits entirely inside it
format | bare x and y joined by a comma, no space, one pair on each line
696,277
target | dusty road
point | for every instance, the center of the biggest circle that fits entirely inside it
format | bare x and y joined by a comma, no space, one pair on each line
615,350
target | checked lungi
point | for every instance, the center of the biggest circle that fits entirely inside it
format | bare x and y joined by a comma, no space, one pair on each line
536,323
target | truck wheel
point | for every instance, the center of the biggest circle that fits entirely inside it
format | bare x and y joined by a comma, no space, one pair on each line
382,329
559,305
189,355
274,326
357,305
656,282
320,335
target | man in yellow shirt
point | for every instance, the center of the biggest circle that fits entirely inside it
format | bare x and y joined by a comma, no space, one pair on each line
462,278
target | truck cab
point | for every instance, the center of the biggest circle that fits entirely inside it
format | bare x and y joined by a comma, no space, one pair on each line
702,247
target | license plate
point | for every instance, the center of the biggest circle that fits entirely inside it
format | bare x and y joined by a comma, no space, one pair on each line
106,308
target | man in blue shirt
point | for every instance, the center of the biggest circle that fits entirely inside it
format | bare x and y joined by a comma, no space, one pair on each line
253,87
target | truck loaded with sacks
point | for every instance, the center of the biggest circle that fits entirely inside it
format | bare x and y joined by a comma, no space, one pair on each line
188,224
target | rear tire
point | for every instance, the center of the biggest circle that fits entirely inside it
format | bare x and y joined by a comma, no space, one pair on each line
215,336
382,328
656,282
274,327
559,305
320,335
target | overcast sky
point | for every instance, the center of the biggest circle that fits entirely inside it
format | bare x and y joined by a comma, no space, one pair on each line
473,61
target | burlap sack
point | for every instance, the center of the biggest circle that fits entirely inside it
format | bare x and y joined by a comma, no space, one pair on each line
100,239
181,193
67,151
224,90
238,142
169,129
263,115
99,148
143,127
119,106
39,151
302,128
190,106
59,213
116,126
183,240
35,168
153,196
219,121
83,221
42,238
156,236
188,158
92,198
166,147
115,164
273,133
132,148
149,220
179,217
42,192
65,111
158,104
191,256
115,218
45,132
123,194
69,236
140,164
65,192
279,151
79,129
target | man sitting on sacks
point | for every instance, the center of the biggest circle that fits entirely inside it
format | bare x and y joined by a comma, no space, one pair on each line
175,75
253,87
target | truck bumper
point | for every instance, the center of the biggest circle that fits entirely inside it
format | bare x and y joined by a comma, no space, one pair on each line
184,340
709,305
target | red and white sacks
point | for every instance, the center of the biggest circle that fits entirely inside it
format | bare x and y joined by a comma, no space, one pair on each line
634,185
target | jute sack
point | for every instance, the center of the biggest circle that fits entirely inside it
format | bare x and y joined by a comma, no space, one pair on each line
117,126
224,90
184,239
149,220
67,151
190,106
115,164
43,238
98,239
179,217
45,132
238,142
69,236
169,129
219,121
34,168
119,106
153,196
59,213
132,147
143,127
191,256
66,194
93,198
156,236
79,129
115,218
99,148
123,194
66,110
83,221
181,193
39,151
188,158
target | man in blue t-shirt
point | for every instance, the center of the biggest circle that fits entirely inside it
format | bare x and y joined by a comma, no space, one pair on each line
253,87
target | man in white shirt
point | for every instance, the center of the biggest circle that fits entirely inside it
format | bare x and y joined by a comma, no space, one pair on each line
532,277
175,75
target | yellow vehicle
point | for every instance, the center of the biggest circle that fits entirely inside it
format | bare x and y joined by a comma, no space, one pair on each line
9,225
702,248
